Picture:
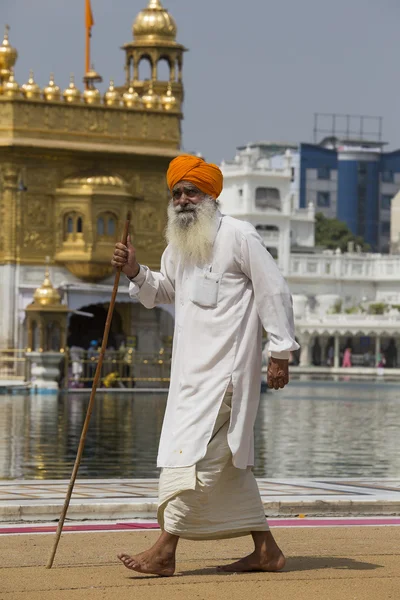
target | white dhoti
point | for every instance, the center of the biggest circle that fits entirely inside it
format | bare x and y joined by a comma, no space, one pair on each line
212,499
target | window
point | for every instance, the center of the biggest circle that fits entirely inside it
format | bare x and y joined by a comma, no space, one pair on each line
323,199
73,227
240,192
385,228
106,226
324,173
268,198
387,176
111,226
100,226
386,200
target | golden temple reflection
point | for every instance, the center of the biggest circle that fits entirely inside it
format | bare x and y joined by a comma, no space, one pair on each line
52,92
131,99
168,100
112,97
72,94
151,100
31,90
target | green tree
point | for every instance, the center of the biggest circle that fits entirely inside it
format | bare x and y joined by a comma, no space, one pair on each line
332,234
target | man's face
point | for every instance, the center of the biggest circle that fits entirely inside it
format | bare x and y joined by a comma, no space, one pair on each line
184,194
185,200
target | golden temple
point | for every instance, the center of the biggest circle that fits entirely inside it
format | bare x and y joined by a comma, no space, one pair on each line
74,162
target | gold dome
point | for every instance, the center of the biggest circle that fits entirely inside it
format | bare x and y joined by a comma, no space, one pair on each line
46,294
92,96
154,23
11,88
31,90
168,100
8,56
72,94
97,180
52,92
112,97
150,99
131,99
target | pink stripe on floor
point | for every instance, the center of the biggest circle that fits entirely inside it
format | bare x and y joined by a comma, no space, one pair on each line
296,522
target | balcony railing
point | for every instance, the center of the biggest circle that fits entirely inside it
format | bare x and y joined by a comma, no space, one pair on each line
344,266
129,369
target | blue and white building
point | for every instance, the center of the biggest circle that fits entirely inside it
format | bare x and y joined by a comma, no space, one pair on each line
354,181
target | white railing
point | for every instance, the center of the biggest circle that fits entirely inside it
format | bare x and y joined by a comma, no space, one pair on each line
345,266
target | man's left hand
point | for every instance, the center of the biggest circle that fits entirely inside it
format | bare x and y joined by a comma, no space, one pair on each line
278,373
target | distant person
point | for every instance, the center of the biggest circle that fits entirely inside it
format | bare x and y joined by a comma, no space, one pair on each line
225,286
381,362
330,356
76,356
92,355
347,358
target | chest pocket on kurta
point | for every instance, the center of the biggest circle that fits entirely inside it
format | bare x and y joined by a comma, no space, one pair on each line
204,288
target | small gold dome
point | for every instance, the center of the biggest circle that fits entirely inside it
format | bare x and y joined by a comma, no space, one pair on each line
31,90
150,99
92,96
8,56
154,23
112,97
98,180
131,99
72,94
46,294
52,92
11,88
168,100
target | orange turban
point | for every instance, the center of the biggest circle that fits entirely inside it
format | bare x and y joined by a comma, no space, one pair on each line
206,176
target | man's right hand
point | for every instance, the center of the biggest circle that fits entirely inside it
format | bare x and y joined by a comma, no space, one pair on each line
125,258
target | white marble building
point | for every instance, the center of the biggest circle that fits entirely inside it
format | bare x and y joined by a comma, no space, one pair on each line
336,296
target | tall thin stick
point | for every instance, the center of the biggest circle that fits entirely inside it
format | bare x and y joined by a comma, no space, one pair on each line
91,404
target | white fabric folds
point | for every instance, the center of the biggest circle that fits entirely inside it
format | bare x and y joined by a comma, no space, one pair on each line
212,499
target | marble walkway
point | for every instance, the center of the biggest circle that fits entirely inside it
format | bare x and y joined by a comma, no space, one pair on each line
103,499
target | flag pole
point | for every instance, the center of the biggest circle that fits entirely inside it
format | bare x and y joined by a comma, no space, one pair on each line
89,22
91,403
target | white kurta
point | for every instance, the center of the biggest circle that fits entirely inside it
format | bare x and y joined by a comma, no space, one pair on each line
218,346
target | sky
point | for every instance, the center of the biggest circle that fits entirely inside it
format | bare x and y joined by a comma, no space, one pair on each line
255,70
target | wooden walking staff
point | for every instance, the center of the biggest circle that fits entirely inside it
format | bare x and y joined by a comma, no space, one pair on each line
91,403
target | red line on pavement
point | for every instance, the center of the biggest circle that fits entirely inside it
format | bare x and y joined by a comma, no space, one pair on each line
294,522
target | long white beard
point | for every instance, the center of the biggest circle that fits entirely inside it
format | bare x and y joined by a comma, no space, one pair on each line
191,233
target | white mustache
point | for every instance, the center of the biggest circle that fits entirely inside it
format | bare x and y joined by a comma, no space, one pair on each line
179,209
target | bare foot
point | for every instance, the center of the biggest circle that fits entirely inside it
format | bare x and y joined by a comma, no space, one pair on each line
257,561
150,562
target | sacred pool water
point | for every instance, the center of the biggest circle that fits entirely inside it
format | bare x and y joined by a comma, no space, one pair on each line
310,429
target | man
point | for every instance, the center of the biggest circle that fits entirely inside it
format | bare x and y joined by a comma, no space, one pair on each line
225,286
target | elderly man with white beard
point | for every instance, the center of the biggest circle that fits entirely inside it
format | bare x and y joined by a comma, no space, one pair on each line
225,287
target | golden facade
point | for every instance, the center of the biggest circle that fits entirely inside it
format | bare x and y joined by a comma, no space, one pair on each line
74,163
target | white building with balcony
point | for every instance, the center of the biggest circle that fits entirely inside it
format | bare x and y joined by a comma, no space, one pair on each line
340,300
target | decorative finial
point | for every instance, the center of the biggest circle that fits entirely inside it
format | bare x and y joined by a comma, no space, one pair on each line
72,94
47,263
168,100
155,4
6,32
31,90
112,97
